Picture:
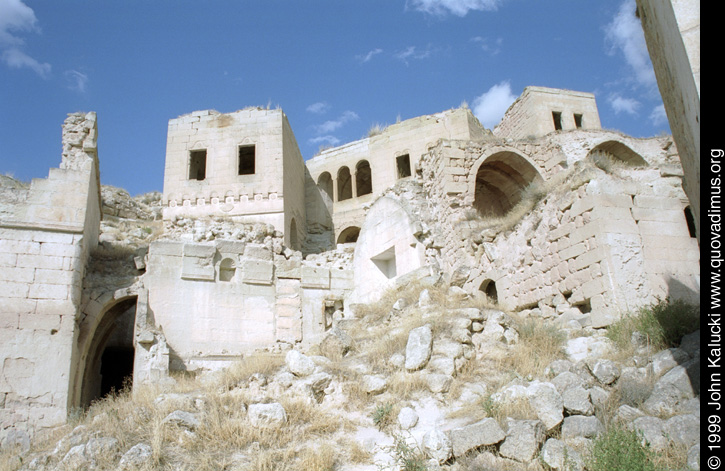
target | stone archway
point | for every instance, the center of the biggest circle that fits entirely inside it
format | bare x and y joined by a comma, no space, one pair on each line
501,181
108,361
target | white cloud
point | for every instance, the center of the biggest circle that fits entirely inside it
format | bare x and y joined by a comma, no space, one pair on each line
457,7
624,105
658,116
17,59
625,34
412,52
367,57
332,125
328,140
490,107
491,47
318,108
16,17
76,80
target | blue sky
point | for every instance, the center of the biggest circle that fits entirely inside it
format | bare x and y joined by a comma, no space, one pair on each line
335,68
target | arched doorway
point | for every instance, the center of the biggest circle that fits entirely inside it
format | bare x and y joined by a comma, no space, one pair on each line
349,235
501,181
110,356
363,178
344,184
488,288
324,182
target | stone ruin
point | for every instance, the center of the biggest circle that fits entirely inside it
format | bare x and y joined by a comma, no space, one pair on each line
548,215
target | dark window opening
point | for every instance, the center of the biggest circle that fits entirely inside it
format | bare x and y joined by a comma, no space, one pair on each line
197,165
690,218
116,369
557,120
403,165
246,160
578,121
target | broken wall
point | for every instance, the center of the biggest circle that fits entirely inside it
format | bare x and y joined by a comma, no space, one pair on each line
601,242
44,247
214,301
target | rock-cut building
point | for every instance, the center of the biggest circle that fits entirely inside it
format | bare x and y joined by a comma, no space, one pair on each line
548,214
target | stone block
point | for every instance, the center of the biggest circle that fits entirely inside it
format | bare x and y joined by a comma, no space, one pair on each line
257,271
655,202
13,289
288,269
259,252
484,433
315,277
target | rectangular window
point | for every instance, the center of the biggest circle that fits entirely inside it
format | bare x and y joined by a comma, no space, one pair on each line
557,120
578,121
403,162
246,160
197,164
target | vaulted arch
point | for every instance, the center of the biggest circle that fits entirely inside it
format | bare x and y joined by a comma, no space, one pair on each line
501,179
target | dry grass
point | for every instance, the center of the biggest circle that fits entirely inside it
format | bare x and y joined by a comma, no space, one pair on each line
539,345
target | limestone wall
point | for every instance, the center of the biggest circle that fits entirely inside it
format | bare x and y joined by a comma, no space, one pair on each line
412,137
44,246
532,114
214,301
207,144
597,244
672,32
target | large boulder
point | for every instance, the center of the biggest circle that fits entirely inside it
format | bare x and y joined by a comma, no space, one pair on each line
547,403
523,439
299,364
419,348
485,432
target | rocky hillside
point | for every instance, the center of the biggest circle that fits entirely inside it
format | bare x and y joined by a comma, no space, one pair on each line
428,378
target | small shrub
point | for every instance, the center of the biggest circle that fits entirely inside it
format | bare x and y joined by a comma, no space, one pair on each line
407,457
383,416
620,449
663,323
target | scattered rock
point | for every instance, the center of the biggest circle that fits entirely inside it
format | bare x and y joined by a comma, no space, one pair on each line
374,385
485,432
136,458
436,445
182,419
419,348
606,371
683,429
547,403
523,439
299,364
576,401
557,455
265,415
581,426
407,418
